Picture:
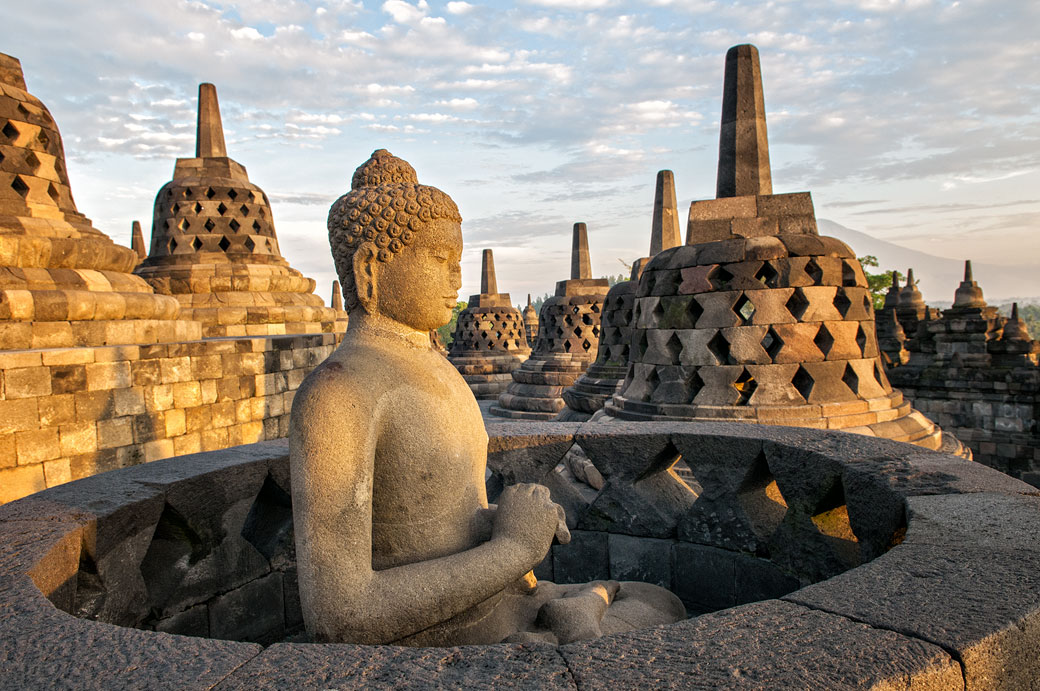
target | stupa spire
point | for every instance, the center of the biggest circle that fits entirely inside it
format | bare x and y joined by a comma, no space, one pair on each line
209,135
337,297
137,240
664,232
743,142
488,283
581,264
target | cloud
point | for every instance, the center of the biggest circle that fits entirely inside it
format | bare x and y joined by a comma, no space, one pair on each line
572,4
458,7
302,198
468,103
564,107
405,13
248,33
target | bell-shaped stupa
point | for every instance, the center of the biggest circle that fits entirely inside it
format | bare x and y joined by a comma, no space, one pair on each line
604,376
1015,347
964,331
489,340
568,338
530,322
214,247
62,282
758,318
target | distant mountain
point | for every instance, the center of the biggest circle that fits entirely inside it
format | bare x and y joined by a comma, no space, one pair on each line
938,277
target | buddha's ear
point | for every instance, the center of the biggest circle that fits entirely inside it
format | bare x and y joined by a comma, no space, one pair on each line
365,261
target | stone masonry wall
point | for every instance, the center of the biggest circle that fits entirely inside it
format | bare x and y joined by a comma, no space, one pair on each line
67,413
993,411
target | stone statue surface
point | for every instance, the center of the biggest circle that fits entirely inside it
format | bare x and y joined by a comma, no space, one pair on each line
396,542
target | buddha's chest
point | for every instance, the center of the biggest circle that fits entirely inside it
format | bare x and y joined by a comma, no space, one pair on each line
432,452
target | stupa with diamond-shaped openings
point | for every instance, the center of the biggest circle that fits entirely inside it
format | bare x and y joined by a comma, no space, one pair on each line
568,338
214,246
62,282
758,318
489,340
604,376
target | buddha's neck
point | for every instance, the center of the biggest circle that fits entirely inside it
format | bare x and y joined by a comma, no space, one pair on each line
365,326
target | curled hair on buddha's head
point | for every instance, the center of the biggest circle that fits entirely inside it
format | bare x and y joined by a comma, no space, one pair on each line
384,210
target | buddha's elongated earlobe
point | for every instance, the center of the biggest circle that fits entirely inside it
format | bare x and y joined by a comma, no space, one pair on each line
365,261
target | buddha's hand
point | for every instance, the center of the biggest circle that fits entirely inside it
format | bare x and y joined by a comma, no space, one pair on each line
528,517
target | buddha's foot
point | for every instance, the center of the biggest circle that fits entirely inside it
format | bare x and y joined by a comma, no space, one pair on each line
571,613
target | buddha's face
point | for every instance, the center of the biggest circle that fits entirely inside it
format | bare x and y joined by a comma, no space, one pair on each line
420,285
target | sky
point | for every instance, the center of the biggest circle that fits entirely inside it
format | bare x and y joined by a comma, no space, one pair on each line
915,121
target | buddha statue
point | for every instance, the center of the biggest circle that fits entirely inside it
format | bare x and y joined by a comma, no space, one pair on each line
396,542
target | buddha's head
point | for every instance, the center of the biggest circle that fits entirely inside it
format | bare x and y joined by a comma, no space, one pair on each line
397,245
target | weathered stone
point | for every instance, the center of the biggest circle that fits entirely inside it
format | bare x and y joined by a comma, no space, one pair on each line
252,612
324,666
963,582
753,647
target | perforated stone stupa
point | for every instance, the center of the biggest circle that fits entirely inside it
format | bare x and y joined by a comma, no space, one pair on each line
530,322
758,318
214,246
489,341
62,281
604,376
568,338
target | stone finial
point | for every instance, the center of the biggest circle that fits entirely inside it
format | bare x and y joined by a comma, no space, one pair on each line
137,240
1015,329
11,72
337,297
488,283
209,137
581,264
743,142
968,293
892,296
664,232
529,300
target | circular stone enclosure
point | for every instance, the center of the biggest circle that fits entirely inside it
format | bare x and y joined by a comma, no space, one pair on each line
822,559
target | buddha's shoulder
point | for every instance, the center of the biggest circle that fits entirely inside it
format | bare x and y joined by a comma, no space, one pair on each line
340,378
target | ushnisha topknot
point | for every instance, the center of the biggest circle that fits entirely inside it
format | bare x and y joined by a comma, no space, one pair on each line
385,208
